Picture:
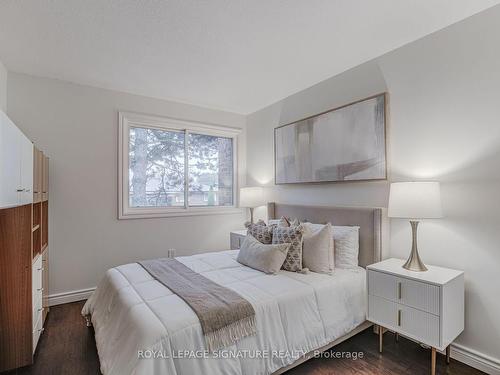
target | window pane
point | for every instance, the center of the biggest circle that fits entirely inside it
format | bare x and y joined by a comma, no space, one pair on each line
156,168
210,170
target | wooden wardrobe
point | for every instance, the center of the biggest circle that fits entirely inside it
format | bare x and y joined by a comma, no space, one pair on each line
24,204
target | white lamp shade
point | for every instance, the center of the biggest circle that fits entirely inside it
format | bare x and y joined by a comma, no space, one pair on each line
251,197
415,200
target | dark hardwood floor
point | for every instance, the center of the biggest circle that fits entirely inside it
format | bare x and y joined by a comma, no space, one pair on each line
67,347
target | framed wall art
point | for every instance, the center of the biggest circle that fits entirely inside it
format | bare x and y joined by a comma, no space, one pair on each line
343,144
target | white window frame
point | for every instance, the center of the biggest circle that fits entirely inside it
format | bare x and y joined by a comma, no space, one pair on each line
130,119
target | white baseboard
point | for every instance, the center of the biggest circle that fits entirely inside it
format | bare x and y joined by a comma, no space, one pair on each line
72,296
470,357
475,359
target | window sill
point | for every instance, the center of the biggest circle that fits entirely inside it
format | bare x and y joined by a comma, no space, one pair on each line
194,211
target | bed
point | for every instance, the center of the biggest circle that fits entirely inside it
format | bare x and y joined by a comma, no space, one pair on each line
141,327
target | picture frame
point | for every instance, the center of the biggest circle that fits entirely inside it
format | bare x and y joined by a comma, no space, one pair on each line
343,144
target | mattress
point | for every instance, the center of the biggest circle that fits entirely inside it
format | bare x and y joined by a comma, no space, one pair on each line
141,327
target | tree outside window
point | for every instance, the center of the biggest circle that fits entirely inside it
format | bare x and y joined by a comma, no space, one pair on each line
159,173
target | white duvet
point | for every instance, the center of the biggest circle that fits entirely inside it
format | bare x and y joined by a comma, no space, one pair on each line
141,327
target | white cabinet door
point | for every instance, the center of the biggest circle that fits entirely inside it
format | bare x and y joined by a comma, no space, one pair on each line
26,196
10,162
16,165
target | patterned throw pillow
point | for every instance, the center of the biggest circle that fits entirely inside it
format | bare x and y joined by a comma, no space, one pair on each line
293,236
261,232
282,222
259,222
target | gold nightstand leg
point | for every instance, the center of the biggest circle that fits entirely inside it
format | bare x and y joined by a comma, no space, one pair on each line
433,361
448,354
380,338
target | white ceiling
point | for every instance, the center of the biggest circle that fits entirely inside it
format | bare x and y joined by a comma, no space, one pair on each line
237,55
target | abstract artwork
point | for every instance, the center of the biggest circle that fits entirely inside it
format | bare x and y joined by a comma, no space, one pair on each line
343,144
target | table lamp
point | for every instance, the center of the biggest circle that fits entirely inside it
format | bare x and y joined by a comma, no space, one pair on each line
251,197
415,201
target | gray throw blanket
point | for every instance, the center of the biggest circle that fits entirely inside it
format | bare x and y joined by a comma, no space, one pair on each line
224,315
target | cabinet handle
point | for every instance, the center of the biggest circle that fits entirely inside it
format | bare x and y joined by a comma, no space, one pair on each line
41,330
41,309
399,318
40,269
27,190
20,190
40,289
399,290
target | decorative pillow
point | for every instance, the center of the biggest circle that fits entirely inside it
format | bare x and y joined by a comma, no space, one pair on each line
261,232
265,258
293,236
259,222
310,229
317,250
346,241
282,222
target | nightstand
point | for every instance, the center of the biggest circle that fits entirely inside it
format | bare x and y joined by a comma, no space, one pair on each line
427,307
236,238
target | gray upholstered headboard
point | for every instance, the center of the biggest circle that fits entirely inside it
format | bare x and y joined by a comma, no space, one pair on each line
368,219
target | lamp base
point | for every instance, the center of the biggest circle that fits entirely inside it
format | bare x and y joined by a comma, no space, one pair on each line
414,263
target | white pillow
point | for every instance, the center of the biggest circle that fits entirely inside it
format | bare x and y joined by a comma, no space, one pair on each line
317,249
346,239
265,258
346,244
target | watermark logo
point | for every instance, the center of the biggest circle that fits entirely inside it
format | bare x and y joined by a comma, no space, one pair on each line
244,354
339,355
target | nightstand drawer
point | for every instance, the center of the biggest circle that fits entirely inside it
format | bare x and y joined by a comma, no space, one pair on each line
414,323
383,285
382,311
422,296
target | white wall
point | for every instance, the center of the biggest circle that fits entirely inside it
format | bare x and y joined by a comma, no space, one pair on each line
77,127
357,83
444,125
3,87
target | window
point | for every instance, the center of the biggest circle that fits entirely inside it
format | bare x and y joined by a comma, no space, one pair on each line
170,167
